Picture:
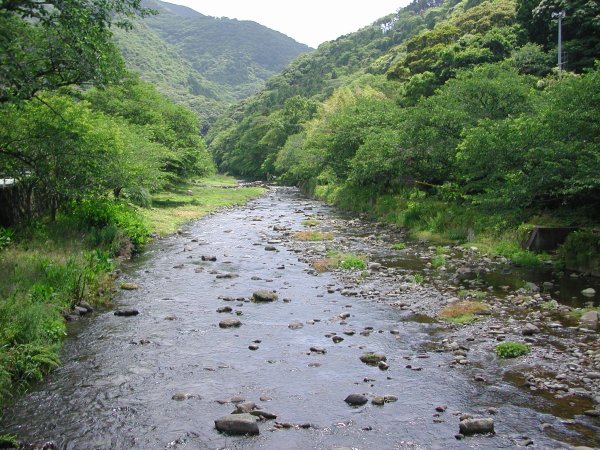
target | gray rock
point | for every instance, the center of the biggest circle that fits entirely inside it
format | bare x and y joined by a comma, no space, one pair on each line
237,424
337,339
244,407
589,292
529,330
129,286
390,398
374,266
379,401
181,396
476,426
532,287
295,325
126,312
356,399
263,414
317,349
224,309
590,320
230,323
264,296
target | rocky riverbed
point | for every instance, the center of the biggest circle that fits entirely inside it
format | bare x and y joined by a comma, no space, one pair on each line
241,341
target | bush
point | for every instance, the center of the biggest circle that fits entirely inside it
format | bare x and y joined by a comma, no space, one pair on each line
352,262
581,251
108,219
511,349
6,237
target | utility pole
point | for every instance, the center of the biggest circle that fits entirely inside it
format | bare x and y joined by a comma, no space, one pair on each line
560,15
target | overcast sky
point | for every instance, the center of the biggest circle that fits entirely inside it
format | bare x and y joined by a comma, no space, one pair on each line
308,21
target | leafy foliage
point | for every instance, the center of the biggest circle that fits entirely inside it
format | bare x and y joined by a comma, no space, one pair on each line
59,43
510,349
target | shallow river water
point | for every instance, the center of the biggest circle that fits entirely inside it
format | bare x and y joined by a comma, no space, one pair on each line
119,374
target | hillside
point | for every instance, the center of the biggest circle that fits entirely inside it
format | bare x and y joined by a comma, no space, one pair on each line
204,62
448,116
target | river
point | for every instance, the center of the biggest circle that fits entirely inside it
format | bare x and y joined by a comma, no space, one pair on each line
119,375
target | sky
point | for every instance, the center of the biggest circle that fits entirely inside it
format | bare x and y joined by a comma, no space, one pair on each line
307,21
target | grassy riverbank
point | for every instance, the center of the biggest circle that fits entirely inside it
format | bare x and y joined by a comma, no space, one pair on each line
49,268
443,221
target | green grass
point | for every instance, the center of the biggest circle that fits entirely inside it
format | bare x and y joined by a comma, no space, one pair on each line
511,349
313,236
186,202
44,273
399,246
577,313
49,267
310,222
462,312
438,261
352,262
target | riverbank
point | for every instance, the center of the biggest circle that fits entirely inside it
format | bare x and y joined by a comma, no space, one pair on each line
54,272
479,302
444,221
175,368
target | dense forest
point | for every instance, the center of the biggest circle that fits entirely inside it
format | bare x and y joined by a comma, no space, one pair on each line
206,63
447,117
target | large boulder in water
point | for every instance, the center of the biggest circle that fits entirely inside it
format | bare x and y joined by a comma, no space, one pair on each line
237,424
264,296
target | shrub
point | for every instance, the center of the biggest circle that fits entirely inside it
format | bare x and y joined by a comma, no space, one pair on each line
352,262
511,349
6,237
110,218
438,261
399,246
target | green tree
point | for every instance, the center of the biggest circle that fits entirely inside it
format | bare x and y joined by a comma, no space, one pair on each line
174,127
46,45
63,150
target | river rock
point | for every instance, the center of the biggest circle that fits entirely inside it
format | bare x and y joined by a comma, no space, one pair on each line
181,396
590,320
263,414
295,325
337,339
264,296
208,258
589,292
237,424
126,312
529,330
378,401
129,286
230,323
356,399
317,349
373,358
374,266
476,426
224,309
244,407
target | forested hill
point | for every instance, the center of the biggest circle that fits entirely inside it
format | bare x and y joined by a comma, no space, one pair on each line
456,103
204,62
